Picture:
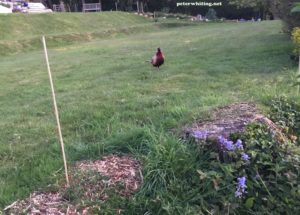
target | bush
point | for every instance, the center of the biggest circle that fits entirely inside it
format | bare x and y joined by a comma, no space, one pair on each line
291,20
273,173
211,14
286,114
253,172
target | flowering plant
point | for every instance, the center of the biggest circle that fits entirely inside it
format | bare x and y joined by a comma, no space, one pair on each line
252,170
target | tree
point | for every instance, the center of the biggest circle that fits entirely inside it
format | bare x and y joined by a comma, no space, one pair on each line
116,4
296,8
249,3
211,14
280,9
262,6
290,19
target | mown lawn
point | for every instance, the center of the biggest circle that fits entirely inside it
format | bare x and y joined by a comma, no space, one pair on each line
111,101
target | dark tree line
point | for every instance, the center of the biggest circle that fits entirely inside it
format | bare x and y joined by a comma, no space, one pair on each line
226,10
279,9
231,9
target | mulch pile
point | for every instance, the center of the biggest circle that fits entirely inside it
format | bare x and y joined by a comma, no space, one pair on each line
92,178
118,170
233,119
42,203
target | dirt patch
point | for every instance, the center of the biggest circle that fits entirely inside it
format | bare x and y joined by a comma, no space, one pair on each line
232,119
90,181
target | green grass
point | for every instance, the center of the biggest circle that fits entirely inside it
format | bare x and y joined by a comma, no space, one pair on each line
22,32
111,101
24,26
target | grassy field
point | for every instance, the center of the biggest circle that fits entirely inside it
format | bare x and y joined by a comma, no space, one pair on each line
111,101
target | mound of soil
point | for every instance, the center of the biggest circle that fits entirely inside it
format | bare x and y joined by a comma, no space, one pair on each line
89,180
233,118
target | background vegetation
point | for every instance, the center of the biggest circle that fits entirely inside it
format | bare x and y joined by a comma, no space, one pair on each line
110,101
230,9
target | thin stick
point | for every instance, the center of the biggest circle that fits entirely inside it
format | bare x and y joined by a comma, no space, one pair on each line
10,206
56,112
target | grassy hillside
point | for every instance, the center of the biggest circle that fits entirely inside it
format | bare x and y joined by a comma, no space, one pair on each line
110,101
21,32
24,26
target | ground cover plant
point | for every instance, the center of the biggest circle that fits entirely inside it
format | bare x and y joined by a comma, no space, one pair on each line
112,102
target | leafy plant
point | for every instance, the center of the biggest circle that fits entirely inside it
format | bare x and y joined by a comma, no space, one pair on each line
296,8
296,40
286,114
258,174
273,172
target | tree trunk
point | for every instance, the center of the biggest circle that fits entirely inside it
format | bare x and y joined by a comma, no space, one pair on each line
138,6
142,7
62,6
274,9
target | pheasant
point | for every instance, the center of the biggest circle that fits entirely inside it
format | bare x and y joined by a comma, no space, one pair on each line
158,59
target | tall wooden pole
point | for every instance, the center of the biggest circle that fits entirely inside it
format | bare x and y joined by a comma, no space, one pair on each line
56,112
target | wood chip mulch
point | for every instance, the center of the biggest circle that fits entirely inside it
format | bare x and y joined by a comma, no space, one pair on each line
233,118
92,178
119,170
42,203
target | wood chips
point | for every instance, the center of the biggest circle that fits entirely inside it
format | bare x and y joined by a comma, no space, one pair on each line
233,118
92,178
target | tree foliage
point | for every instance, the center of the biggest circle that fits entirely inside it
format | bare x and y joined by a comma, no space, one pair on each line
296,8
249,3
231,9
211,14
227,10
281,9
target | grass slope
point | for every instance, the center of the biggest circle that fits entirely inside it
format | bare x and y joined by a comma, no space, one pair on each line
24,26
20,32
111,101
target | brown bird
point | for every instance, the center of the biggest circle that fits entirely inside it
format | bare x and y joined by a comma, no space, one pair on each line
158,59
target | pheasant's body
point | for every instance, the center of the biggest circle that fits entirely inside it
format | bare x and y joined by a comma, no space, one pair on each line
158,59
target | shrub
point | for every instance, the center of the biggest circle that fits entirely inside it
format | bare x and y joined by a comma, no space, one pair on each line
211,14
258,174
290,19
286,114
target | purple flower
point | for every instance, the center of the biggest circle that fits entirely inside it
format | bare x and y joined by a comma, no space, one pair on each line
222,139
227,144
200,134
239,145
245,157
241,187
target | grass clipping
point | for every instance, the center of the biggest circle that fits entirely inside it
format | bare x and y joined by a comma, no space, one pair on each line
91,181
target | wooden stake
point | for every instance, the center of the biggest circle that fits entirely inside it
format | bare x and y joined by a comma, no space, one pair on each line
56,112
